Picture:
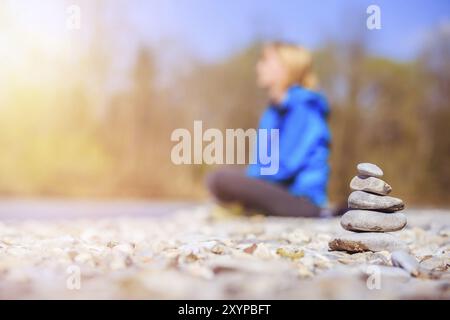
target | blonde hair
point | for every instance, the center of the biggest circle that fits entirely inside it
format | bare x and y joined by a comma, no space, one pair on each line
298,62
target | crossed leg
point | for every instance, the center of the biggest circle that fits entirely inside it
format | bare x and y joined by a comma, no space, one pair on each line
233,186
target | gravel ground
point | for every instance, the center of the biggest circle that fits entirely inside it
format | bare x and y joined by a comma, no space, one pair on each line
201,253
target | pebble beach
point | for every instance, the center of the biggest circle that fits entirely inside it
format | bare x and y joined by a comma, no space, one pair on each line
197,253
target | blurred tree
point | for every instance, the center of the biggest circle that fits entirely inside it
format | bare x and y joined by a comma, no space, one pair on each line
434,64
56,142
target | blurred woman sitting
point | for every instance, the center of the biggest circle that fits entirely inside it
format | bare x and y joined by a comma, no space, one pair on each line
299,187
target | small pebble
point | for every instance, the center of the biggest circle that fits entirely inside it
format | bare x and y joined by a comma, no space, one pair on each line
368,201
369,241
370,184
369,169
405,261
372,221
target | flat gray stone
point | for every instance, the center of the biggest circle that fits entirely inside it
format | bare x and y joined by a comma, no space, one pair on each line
369,169
370,184
367,241
372,221
368,201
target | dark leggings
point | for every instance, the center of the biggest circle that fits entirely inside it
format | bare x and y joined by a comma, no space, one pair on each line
233,186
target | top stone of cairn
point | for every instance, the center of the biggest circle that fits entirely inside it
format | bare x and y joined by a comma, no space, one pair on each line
369,169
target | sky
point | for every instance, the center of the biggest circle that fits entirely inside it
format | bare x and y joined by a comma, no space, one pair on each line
214,28
208,30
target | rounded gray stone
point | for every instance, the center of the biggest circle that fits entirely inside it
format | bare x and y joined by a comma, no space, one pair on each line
404,260
367,241
373,221
370,184
368,201
369,169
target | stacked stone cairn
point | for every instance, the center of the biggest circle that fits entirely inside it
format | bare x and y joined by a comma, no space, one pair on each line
372,214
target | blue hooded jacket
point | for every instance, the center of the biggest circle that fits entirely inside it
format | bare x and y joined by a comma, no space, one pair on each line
304,140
